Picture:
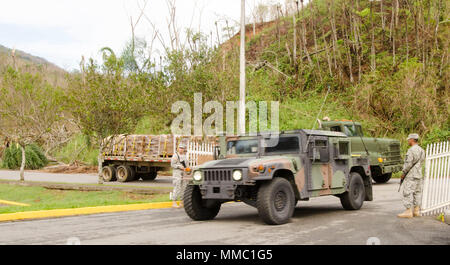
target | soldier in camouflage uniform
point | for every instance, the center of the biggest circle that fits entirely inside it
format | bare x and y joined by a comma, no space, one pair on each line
413,180
179,164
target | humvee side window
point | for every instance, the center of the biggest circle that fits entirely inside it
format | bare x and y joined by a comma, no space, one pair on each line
318,150
321,143
242,147
285,145
343,148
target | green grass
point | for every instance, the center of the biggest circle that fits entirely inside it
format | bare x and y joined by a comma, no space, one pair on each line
44,199
77,149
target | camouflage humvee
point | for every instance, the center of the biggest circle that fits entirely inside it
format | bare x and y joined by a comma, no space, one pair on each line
303,164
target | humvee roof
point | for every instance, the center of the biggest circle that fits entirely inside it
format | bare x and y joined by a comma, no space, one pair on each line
309,132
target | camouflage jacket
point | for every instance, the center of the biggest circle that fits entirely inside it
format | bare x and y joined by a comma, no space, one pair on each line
177,164
413,162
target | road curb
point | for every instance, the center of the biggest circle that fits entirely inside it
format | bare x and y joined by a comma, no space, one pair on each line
82,211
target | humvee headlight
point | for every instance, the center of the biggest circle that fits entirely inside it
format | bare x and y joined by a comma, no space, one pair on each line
237,175
197,176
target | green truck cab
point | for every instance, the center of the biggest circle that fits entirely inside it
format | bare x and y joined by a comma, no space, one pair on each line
384,154
273,177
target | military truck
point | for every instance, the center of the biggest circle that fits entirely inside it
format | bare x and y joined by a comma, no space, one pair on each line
302,164
132,157
384,154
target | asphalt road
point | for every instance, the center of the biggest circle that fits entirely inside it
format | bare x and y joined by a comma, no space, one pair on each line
30,175
319,221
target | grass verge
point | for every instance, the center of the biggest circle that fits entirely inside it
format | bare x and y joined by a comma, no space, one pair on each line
43,199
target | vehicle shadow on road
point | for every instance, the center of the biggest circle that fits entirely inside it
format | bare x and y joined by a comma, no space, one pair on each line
306,211
301,211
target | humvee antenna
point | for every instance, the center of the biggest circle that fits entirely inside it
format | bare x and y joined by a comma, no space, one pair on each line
318,115
360,136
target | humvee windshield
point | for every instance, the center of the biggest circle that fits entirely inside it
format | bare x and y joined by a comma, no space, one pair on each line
241,147
349,130
352,130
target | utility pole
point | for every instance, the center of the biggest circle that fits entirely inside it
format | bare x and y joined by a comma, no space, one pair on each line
241,114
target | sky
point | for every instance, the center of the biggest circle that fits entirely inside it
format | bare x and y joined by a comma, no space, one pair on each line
61,31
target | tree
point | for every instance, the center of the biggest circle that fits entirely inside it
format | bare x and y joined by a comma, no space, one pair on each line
108,101
30,109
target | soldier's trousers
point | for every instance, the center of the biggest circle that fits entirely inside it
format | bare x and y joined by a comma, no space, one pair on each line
412,192
178,190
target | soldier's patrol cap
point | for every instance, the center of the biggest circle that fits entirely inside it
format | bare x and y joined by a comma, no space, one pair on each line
182,146
414,136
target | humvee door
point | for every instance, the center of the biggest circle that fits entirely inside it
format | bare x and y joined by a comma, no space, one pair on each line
323,176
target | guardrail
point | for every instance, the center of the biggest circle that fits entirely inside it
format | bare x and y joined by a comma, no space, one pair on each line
436,189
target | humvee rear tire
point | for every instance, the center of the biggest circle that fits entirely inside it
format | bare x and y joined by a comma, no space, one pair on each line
276,201
353,199
196,207
125,174
149,176
382,178
109,173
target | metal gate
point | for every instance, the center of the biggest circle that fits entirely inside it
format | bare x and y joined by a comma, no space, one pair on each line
436,189
199,150
199,153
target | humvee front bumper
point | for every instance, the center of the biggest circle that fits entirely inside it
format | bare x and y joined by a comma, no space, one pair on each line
219,191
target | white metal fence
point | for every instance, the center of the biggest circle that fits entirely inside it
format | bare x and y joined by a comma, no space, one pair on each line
436,189
198,151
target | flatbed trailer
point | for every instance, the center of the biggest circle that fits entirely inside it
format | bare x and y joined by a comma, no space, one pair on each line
131,157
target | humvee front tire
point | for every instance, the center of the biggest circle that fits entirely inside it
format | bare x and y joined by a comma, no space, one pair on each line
197,208
353,199
109,173
382,178
276,201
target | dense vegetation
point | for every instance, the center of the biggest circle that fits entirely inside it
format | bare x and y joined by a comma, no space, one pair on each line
385,62
35,158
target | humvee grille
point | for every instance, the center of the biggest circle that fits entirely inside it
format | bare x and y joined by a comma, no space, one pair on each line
217,175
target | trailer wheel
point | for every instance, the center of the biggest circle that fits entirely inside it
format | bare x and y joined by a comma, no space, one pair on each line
276,201
125,174
109,173
149,176
382,178
197,208
353,199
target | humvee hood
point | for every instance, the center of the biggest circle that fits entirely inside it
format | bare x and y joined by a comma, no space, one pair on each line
242,162
230,162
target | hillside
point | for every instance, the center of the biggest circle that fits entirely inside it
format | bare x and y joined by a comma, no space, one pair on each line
31,63
386,63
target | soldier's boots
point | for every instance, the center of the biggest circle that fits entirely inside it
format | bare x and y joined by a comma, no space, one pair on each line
407,214
416,211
